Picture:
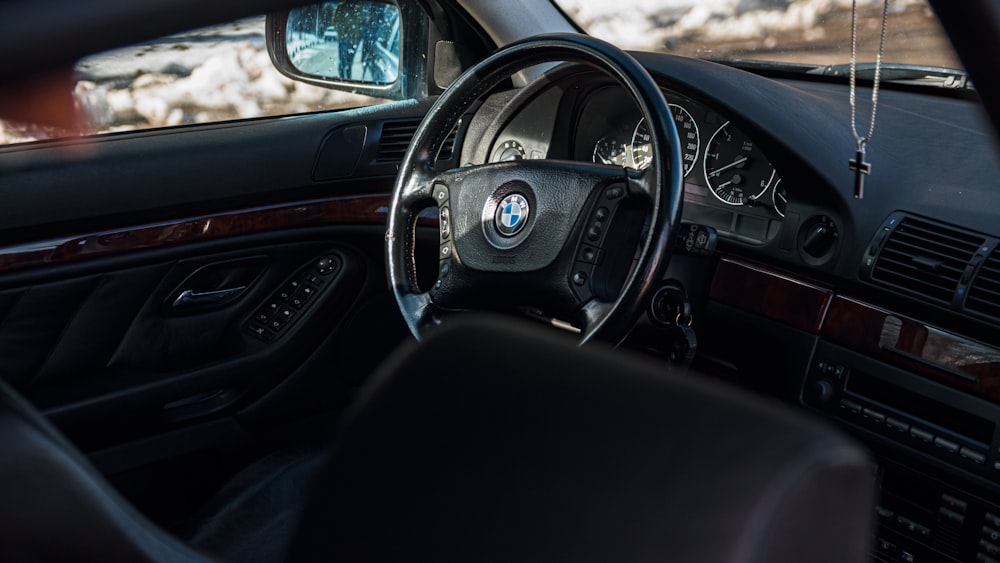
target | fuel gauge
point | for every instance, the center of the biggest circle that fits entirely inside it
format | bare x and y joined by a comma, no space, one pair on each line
610,150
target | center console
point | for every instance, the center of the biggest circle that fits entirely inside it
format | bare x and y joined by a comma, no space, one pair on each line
938,504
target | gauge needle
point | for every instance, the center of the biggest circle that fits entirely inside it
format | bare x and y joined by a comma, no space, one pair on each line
736,162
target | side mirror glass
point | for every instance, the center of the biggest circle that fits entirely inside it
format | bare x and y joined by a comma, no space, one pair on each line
348,41
370,47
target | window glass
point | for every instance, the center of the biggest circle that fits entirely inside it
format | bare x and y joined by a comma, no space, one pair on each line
212,74
815,32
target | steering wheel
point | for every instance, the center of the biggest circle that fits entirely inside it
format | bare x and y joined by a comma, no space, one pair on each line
556,235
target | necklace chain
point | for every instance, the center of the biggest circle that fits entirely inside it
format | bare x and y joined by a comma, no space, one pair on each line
862,141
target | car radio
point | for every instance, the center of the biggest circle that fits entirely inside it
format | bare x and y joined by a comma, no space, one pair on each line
909,410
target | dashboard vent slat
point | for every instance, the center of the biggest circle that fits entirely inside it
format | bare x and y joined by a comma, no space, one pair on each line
396,137
984,294
925,258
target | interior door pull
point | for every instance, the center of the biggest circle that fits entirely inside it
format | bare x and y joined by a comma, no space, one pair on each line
190,299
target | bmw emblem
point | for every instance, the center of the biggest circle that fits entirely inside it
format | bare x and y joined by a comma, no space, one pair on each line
512,215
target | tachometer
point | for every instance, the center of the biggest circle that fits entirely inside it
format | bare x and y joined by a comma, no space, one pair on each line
779,198
735,169
687,130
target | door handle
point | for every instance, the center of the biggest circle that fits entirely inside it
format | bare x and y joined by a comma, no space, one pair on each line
190,299
214,286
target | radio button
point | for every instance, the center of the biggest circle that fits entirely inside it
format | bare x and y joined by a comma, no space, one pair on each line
958,504
851,406
951,516
897,424
973,455
913,527
874,415
947,445
886,546
993,520
921,434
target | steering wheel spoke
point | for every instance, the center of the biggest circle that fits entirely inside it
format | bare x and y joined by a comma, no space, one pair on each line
642,184
419,189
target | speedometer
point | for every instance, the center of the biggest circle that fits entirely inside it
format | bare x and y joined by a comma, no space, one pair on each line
687,130
735,169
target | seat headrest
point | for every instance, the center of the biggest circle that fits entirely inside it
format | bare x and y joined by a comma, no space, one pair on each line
494,440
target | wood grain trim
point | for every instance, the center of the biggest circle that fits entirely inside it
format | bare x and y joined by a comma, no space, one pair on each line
915,346
771,294
368,209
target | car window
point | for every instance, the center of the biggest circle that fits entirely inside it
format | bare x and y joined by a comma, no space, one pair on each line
814,32
212,74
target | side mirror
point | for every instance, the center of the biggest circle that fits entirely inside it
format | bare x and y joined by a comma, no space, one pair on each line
359,46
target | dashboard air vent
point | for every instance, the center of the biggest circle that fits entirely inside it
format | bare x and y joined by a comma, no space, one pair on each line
984,294
396,137
925,258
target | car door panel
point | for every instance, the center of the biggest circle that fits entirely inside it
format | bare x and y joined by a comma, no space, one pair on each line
98,237
118,224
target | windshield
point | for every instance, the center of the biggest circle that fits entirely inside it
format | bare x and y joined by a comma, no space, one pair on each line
815,32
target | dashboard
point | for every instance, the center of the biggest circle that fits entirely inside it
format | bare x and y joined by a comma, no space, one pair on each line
881,313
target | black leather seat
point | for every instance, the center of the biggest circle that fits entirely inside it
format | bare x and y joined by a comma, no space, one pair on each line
54,506
493,441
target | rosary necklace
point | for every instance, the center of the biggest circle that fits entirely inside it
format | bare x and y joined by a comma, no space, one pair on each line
858,164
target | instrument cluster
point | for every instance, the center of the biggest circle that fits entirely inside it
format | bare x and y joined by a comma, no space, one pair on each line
716,154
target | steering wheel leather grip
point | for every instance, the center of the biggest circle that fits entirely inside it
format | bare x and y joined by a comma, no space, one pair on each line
559,202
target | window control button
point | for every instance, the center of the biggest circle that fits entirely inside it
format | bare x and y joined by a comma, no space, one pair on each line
263,315
300,299
289,290
260,331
